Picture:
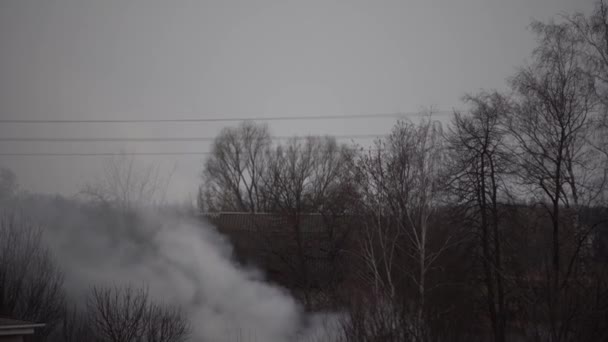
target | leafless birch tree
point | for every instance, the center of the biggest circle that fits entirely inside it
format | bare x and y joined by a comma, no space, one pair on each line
401,184
548,129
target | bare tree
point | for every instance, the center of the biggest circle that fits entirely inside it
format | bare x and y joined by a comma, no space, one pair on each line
232,177
127,185
165,324
127,314
310,176
401,184
304,173
548,129
479,165
30,282
592,31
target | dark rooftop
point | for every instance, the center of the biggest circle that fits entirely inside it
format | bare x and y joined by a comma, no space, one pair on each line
7,323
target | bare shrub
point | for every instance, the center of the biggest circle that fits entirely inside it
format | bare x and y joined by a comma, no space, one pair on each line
125,314
30,282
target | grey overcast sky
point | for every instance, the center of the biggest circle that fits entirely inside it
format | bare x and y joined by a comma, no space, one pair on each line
139,59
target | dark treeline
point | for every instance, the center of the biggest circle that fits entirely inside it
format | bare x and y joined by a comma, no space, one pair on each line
494,228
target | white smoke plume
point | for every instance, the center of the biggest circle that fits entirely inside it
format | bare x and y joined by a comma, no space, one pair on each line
181,260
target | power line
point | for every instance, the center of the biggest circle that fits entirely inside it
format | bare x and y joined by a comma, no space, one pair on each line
192,120
102,154
108,154
162,139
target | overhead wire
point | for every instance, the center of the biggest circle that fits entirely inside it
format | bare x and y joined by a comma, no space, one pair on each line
225,119
107,154
163,139
180,139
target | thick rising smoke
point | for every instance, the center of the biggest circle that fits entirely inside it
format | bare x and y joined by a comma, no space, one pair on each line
181,260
